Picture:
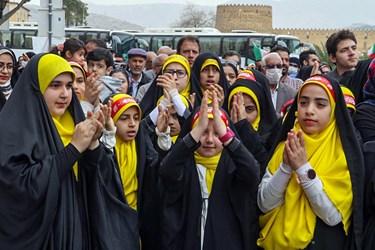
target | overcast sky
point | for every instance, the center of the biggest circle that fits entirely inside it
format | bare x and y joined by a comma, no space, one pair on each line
286,13
118,2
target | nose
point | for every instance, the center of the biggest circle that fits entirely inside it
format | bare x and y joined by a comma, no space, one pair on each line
132,122
310,109
210,138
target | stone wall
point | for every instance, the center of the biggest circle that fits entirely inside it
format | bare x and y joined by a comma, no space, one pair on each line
244,17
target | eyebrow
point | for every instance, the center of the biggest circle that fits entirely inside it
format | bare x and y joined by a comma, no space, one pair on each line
316,99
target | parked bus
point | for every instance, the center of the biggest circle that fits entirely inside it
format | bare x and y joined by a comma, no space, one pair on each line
19,38
218,43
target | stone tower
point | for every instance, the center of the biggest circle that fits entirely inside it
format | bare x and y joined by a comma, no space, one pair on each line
244,17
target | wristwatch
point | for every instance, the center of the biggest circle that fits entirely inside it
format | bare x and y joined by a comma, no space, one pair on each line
308,176
227,136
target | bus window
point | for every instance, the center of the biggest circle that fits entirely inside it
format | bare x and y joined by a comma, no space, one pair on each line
5,38
76,34
104,36
91,35
210,43
238,44
23,39
158,41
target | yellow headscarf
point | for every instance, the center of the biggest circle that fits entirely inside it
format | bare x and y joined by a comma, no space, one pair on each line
186,103
209,163
126,152
49,67
292,224
250,93
76,65
184,62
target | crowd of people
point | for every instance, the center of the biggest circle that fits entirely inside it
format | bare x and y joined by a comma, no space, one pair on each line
178,149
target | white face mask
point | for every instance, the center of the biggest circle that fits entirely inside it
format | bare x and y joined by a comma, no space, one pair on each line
292,70
24,63
273,75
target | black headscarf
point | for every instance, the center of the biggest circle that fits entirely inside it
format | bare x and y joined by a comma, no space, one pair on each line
195,77
39,202
39,195
353,153
358,80
267,111
15,74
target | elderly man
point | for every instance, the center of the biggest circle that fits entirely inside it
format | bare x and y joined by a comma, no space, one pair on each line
136,64
280,92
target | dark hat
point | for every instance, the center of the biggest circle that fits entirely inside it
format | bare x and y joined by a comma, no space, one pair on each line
295,60
137,52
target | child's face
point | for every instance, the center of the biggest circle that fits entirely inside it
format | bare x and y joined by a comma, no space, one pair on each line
78,57
314,109
124,86
98,67
177,67
210,143
58,94
250,108
210,75
128,124
79,85
173,122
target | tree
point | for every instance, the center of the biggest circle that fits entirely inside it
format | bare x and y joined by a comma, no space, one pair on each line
11,13
194,17
75,12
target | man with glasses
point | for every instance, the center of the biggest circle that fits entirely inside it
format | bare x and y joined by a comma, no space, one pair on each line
232,55
280,92
285,78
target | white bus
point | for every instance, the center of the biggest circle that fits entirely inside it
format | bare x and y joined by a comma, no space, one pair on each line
219,43
19,37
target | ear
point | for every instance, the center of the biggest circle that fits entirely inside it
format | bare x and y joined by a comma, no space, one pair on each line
68,54
305,63
332,58
108,70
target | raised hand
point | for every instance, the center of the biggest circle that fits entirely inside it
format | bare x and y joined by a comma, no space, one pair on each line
295,150
108,121
84,133
202,124
238,110
166,81
93,89
219,125
163,119
219,93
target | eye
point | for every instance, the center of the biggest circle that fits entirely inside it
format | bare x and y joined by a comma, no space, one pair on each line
249,109
69,86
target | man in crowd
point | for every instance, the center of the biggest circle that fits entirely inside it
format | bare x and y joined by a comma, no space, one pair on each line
189,47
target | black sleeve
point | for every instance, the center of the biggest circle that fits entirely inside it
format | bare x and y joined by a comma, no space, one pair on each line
252,141
247,168
65,160
172,166
112,224
148,125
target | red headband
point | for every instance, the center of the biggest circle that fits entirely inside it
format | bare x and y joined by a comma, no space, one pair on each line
117,105
210,115
247,75
325,82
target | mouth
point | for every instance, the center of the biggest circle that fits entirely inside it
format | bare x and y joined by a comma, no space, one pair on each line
61,104
131,133
309,121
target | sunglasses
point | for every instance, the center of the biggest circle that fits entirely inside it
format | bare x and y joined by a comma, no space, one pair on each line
272,66
226,62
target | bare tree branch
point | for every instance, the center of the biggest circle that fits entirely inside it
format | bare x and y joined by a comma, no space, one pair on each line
11,13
